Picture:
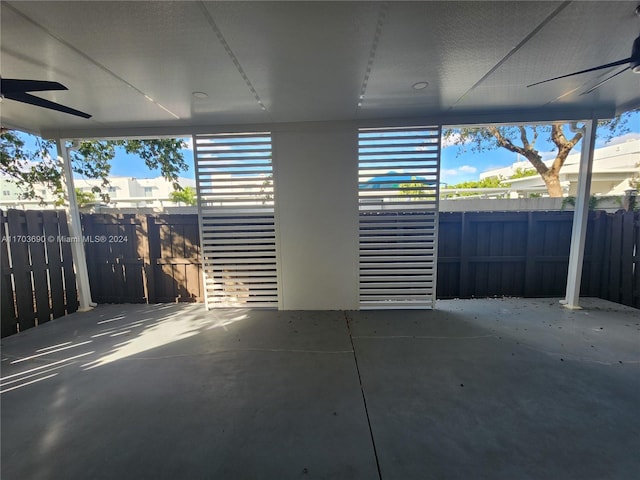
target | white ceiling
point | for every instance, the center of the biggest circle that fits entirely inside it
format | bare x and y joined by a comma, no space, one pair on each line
134,65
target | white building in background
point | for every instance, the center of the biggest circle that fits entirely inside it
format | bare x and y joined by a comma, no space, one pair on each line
613,167
124,192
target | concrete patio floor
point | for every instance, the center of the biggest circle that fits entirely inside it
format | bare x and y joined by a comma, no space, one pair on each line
495,389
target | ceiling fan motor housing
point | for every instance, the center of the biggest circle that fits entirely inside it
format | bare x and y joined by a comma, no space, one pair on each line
635,56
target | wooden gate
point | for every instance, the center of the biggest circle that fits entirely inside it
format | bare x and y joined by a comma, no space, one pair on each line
143,258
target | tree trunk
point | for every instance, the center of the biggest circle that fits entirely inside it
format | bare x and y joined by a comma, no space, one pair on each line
552,181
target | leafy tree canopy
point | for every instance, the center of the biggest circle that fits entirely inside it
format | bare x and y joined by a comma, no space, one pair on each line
92,159
85,198
186,195
521,139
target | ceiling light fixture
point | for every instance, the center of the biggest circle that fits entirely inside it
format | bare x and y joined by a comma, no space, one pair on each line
420,85
200,95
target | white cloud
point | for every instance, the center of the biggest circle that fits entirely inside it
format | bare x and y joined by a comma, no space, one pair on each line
549,155
467,169
451,171
627,137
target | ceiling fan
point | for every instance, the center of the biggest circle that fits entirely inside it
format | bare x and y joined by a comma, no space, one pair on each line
633,64
14,89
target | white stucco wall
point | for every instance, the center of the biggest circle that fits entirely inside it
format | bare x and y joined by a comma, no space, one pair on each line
316,195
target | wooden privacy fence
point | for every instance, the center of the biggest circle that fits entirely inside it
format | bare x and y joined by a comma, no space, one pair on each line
143,258
38,281
156,258
527,254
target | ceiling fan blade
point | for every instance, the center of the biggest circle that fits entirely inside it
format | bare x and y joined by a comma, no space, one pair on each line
599,67
600,83
12,85
41,102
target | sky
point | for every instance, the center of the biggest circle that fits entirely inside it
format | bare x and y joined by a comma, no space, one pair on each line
456,165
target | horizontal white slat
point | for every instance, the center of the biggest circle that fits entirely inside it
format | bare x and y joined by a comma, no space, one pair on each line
398,215
400,233
245,287
395,283
217,261
230,229
232,232
228,238
236,213
401,239
395,268
239,217
259,269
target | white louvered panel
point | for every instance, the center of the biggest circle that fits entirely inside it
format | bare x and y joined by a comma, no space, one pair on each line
399,171
236,215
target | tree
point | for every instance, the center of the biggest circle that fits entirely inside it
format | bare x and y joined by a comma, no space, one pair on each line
85,198
414,188
28,168
634,183
521,139
186,195
524,172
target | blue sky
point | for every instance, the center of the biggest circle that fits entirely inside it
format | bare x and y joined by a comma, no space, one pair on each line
456,166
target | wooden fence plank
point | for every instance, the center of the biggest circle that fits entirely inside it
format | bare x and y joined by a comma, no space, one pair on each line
464,256
70,289
615,258
152,250
21,269
39,266
626,258
636,277
531,249
8,319
50,221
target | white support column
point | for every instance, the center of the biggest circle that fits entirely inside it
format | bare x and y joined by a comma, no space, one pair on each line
75,230
580,215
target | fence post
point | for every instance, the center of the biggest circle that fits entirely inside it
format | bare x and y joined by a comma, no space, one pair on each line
8,318
597,236
636,260
626,270
147,229
464,256
530,262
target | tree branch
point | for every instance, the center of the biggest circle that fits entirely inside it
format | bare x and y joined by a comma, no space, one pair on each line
523,138
564,145
530,154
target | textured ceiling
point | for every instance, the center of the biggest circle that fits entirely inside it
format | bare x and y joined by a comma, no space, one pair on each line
134,65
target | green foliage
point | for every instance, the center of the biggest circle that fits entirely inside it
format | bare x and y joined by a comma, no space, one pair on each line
414,188
186,195
488,182
27,168
594,201
524,172
92,159
266,190
85,198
